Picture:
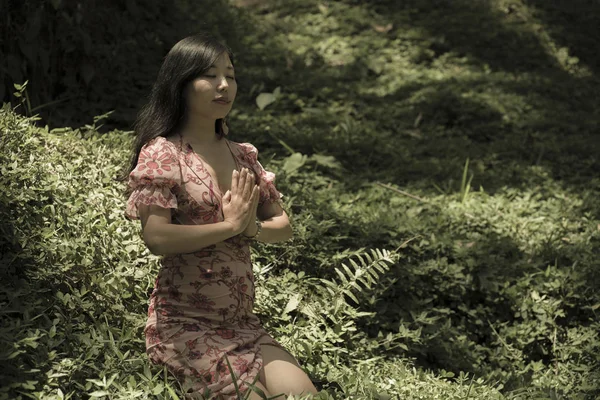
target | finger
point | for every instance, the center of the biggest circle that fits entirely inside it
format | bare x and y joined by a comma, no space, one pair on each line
248,187
252,181
235,176
255,197
227,196
254,202
251,204
242,181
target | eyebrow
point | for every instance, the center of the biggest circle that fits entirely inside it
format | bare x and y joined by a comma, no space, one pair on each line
228,67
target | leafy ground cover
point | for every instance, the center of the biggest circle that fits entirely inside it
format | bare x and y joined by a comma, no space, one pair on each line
438,160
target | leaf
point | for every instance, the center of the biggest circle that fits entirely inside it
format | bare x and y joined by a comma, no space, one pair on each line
383,28
292,303
233,377
352,296
326,161
14,354
349,272
99,393
294,162
257,390
159,388
264,99
172,393
341,275
309,311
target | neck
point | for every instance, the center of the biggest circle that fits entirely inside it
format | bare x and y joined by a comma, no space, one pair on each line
199,130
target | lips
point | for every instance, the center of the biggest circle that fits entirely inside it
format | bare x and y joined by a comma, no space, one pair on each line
222,100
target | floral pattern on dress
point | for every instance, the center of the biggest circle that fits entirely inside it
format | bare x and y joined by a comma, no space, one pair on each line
200,311
155,160
248,154
155,179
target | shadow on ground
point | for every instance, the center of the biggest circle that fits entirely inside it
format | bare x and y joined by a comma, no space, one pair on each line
555,111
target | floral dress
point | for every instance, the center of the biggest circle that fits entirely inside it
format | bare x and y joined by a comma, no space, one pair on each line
200,311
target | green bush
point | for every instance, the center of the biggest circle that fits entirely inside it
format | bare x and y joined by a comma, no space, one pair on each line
76,277
75,273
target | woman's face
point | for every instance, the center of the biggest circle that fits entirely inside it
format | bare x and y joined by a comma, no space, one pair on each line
212,94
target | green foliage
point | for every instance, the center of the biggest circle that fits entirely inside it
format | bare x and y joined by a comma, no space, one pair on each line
77,273
381,120
72,292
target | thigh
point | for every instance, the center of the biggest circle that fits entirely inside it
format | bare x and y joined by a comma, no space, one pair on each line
281,373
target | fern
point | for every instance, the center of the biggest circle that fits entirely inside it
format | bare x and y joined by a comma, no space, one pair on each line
366,271
332,332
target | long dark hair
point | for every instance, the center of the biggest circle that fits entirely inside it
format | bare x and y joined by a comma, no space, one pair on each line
166,110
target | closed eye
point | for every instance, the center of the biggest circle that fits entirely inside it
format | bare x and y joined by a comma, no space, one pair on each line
214,76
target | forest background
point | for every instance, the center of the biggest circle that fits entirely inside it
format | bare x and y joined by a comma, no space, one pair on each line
439,161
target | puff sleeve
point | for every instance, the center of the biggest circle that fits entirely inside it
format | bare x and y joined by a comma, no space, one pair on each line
268,191
155,179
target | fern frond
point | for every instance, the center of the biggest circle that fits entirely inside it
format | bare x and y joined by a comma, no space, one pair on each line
362,274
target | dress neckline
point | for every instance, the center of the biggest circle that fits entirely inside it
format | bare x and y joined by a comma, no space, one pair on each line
203,162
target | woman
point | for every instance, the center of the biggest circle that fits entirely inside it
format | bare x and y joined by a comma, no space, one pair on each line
202,199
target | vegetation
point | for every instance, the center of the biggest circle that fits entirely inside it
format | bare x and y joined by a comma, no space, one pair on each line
438,161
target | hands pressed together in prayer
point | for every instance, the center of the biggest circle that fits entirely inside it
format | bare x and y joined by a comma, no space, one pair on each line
240,203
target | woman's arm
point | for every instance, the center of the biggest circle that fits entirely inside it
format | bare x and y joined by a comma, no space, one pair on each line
275,224
239,207
164,238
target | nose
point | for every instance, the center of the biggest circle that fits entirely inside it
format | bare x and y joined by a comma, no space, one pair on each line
223,85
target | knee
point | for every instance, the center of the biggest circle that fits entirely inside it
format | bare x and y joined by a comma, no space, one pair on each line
281,373
283,378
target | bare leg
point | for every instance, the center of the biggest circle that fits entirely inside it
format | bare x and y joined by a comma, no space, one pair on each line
281,373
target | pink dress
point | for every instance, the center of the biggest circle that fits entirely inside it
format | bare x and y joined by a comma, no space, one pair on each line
200,311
